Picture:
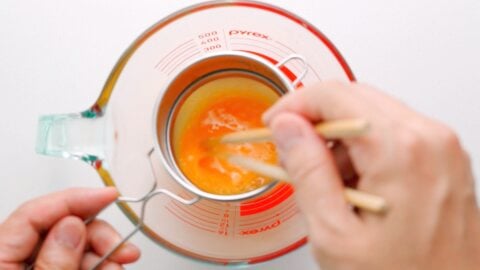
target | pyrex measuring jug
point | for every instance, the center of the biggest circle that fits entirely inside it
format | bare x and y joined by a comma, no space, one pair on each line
115,135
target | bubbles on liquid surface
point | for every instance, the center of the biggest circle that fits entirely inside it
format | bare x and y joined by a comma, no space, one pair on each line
219,118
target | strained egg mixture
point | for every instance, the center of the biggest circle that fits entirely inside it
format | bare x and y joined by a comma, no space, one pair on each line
218,107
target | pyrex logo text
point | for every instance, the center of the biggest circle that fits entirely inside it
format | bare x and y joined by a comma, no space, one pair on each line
247,33
261,229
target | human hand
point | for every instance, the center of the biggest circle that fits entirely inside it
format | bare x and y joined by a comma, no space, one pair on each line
414,162
54,226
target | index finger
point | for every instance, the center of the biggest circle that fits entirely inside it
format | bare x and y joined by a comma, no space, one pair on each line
333,100
338,100
22,230
322,101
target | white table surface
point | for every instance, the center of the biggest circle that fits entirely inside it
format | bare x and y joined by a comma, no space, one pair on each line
55,56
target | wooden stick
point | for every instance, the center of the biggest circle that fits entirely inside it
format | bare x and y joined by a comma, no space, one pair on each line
330,130
363,200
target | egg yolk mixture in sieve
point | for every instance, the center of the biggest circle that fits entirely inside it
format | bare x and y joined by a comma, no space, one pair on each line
216,108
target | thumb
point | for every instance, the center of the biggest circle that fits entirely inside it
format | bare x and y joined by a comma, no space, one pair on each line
63,248
311,165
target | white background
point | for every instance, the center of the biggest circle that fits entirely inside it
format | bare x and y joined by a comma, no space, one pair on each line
55,56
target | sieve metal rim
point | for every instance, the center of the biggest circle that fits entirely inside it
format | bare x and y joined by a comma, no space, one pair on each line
168,161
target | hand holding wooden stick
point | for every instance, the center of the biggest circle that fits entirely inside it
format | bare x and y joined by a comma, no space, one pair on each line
357,198
330,130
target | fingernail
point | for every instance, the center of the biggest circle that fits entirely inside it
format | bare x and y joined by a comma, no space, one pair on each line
130,248
286,134
112,190
266,117
69,233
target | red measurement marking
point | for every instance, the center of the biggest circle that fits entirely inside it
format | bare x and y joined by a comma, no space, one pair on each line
278,48
281,212
292,205
188,221
262,42
280,188
290,216
171,52
223,226
215,208
266,202
204,210
275,216
233,221
210,34
182,209
221,204
290,75
290,210
251,221
280,192
183,61
177,55
263,207
260,47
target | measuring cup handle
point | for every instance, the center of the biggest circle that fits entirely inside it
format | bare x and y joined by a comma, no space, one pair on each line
76,135
302,60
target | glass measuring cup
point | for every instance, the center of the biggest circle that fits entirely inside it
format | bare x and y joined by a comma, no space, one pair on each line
115,134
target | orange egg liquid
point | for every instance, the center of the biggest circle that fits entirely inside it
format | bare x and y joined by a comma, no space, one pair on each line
216,108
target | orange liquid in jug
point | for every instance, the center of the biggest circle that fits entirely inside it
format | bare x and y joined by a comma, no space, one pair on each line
216,108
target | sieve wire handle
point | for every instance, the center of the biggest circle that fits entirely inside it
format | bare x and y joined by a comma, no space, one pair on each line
299,58
143,200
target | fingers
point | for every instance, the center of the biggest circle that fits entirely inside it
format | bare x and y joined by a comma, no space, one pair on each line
90,259
344,164
102,238
64,245
20,233
323,101
310,164
337,100
66,241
